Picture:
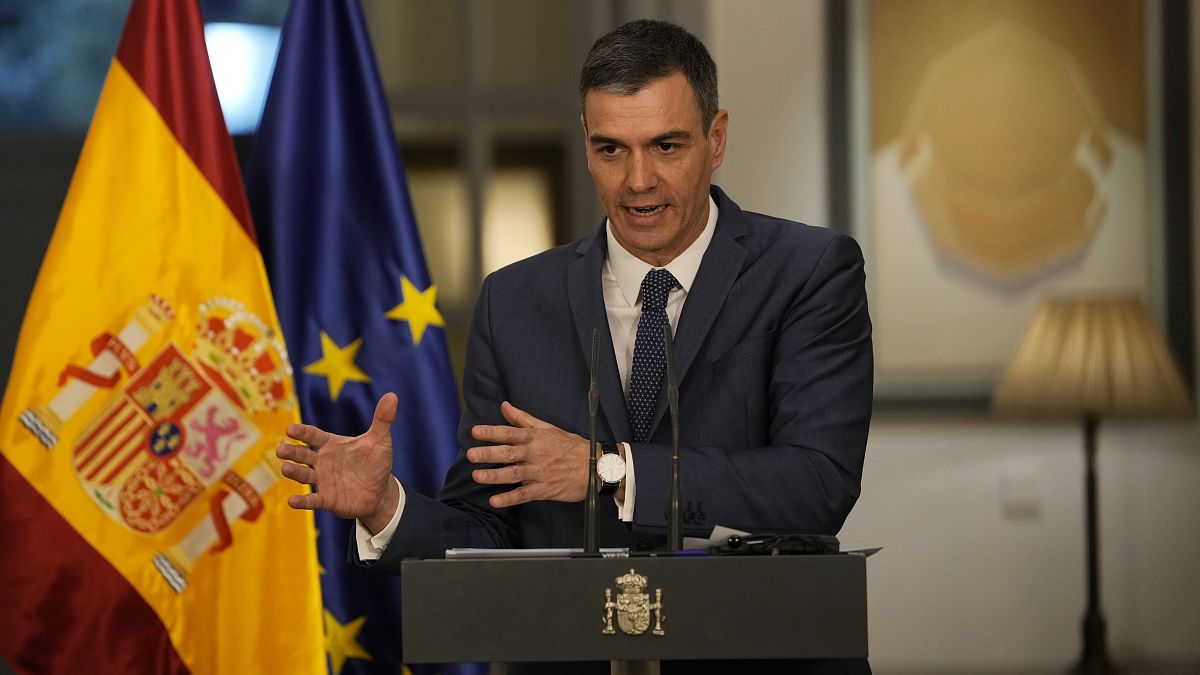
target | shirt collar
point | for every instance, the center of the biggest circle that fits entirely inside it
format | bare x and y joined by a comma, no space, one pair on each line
628,270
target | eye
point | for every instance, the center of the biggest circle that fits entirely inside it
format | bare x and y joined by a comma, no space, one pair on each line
609,149
666,147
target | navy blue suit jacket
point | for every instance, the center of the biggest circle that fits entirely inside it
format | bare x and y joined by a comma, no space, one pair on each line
774,357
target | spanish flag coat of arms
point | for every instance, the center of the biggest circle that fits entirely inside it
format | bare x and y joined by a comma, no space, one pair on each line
143,525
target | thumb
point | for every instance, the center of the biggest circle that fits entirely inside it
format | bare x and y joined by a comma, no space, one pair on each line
520,418
385,415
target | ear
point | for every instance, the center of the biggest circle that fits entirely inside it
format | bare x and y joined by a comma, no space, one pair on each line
717,135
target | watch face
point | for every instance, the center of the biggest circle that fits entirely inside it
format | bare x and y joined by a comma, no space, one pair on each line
610,467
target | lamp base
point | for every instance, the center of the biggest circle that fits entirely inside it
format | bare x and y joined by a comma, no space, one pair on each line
1094,660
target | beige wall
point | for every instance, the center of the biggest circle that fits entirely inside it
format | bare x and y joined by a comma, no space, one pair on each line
964,585
772,82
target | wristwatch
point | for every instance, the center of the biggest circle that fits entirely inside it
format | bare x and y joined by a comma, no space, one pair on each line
610,468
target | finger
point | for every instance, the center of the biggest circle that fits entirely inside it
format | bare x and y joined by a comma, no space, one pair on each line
307,433
495,454
505,475
385,414
296,453
520,495
299,473
501,434
520,418
309,501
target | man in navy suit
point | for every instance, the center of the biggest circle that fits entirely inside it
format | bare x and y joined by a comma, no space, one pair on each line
771,334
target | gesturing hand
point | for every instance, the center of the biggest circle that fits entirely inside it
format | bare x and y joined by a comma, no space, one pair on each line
352,475
549,463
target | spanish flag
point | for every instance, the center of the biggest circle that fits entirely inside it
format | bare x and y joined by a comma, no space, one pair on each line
143,525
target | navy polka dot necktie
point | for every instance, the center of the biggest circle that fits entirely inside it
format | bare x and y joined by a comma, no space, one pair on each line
649,353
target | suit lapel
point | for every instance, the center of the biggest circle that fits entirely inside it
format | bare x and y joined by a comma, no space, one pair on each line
719,269
586,299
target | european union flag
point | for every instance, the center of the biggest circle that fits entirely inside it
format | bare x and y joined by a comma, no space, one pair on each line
329,196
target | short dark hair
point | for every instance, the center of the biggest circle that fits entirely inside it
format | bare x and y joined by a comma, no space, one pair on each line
636,53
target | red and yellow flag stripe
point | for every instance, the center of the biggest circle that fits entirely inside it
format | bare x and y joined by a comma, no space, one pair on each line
151,336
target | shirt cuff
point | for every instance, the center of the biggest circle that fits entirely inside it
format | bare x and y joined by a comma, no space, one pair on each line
626,509
370,547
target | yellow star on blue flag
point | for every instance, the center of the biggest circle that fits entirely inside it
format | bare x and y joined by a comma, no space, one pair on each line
337,364
341,641
419,308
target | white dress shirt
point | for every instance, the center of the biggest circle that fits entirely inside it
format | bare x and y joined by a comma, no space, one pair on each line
621,280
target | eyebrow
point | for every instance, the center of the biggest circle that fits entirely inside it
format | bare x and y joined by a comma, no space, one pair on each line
672,135
597,139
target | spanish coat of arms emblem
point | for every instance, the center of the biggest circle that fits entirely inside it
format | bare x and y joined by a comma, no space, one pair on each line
633,606
170,434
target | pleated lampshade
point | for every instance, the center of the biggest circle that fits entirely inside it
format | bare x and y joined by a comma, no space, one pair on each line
1093,356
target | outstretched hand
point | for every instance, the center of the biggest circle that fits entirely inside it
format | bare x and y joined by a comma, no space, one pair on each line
549,463
352,475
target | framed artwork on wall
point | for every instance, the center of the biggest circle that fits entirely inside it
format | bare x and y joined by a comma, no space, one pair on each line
990,153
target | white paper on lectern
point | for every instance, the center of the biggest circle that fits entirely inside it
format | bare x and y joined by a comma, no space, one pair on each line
719,536
475,553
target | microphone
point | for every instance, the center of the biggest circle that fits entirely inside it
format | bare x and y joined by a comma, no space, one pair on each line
675,526
591,524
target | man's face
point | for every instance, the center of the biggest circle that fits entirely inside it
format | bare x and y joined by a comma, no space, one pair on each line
652,164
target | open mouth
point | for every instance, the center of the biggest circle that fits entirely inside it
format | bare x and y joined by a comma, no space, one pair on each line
645,210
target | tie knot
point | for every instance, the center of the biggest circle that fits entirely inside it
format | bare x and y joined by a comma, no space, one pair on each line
655,286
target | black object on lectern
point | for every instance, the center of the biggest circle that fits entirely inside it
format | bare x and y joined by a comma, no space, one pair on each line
556,609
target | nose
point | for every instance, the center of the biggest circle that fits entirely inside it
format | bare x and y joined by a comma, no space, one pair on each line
641,174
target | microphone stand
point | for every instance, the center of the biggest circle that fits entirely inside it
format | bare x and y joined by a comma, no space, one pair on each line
591,524
675,526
